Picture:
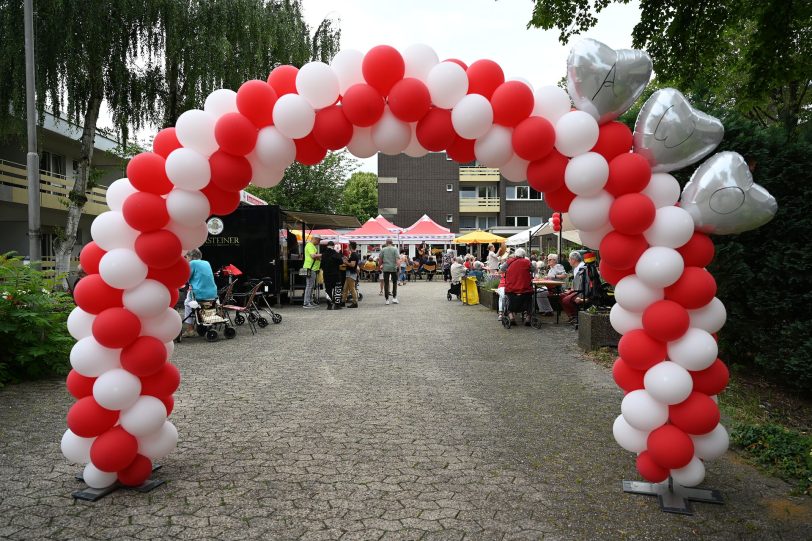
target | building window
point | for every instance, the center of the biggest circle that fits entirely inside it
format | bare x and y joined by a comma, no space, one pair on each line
449,218
477,222
534,221
467,192
522,193
449,187
517,221
53,164
467,222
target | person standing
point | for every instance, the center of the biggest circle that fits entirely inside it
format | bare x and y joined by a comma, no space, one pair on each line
312,263
493,259
389,266
331,262
351,262
448,260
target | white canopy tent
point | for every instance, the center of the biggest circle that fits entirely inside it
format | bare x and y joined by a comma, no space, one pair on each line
523,237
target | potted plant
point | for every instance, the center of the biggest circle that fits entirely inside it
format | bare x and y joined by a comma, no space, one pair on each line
488,295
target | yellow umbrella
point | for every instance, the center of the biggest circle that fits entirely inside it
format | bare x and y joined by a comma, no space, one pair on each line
478,237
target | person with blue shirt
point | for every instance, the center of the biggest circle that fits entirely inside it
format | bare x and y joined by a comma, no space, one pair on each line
201,287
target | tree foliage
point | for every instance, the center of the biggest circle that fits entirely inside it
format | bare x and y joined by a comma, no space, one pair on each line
360,196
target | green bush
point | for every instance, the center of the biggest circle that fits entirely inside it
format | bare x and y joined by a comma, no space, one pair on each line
34,339
784,452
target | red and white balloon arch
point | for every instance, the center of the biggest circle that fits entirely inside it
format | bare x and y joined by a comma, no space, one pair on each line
392,102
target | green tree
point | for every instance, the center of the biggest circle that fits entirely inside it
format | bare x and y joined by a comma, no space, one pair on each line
360,196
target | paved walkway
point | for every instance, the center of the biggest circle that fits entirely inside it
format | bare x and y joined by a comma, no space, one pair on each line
425,420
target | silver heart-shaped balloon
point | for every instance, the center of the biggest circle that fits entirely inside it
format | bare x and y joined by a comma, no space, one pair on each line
604,82
672,134
723,199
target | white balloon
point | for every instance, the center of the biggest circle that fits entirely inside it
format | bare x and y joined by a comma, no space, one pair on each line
347,67
551,103
110,231
188,208
147,299
419,59
668,382
415,149
188,169
495,148
515,170
642,411
116,389
91,359
575,133
160,443
659,266
170,348
121,268
265,177
164,327
634,295
711,445
586,174
190,237
80,323
195,131
623,320
672,227
221,102
293,116
695,350
391,135
146,416
95,478
117,192
710,317
592,239
76,448
447,84
691,474
590,213
629,437
318,84
273,149
361,145
472,116
663,190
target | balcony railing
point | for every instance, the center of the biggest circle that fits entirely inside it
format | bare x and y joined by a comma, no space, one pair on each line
479,204
479,174
53,189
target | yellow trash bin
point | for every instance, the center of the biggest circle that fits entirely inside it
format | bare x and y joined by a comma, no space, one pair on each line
470,293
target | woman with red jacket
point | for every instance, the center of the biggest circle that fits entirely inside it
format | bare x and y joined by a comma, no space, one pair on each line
519,286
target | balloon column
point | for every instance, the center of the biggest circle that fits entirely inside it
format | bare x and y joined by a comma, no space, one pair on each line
409,101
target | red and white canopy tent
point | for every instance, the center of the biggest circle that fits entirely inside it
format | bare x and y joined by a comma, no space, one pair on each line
392,228
372,232
427,230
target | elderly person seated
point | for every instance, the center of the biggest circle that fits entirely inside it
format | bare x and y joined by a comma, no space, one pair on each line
518,286
457,274
574,296
555,271
201,287
478,271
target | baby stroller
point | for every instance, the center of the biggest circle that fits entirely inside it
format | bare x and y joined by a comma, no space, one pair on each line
209,318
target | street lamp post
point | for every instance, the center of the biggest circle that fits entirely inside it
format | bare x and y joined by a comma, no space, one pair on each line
32,159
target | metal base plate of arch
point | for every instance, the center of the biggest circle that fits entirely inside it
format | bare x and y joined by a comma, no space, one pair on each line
92,494
674,498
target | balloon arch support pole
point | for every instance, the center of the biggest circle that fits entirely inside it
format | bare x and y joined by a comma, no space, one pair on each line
674,498
90,494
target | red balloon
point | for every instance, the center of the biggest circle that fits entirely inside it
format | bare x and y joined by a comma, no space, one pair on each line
547,174
614,139
90,256
145,356
162,383
283,80
611,274
165,142
640,350
650,470
628,173
698,251
382,67
147,173
435,131
235,134
622,251
114,450
631,214
362,105
533,138
461,150
87,419
309,151
144,211
229,172
173,276
221,202
697,414
78,385
666,320
169,402
116,328
255,100
458,62
484,77
332,130
694,289
712,380
158,249
670,447
409,100
559,199
174,294
512,102
626,377
136,473
93,295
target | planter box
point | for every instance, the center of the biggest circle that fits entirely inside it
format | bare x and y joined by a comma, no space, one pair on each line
489,298
595,331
